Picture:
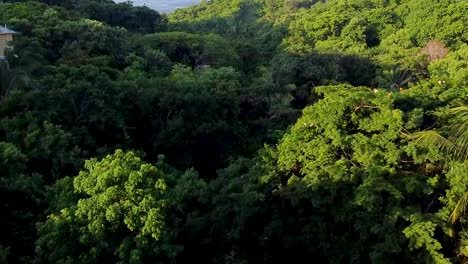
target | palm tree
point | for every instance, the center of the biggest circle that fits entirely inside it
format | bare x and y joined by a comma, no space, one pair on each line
399,77
395,78
455,146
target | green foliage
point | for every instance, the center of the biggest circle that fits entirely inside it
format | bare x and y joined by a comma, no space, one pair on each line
206,10
11,79
133,18
456,144
4,255
196,116
442,20
280,131
344,169
193,49
121,202
454,211
21,198
420,236
453,70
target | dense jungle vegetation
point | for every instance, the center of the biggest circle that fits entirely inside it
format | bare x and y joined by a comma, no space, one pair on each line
235,131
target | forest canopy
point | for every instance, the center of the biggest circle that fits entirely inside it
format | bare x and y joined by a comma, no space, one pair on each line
235,131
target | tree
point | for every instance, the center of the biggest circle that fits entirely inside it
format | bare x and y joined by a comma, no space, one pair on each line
21,201
455,145
434,50
10,79
343,183
192,117
116,216
192,49
342,174
455,148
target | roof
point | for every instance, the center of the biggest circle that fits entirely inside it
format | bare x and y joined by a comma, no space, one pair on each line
4,30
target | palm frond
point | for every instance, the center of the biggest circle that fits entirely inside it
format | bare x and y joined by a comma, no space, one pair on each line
462,109
459,133
463,245
460,209
454,146
460,138
435,139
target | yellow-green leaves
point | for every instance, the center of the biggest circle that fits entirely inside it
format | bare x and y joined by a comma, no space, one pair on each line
121,199
421,235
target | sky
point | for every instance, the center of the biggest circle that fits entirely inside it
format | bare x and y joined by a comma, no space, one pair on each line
163,6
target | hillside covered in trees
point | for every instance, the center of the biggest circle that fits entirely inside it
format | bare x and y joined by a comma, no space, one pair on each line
235,131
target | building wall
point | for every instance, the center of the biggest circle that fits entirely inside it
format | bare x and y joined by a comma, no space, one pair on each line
4,43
